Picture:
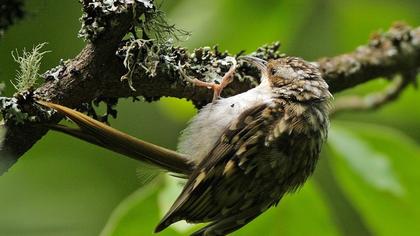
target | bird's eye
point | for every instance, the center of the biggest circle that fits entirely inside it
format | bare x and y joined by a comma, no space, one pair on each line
273,71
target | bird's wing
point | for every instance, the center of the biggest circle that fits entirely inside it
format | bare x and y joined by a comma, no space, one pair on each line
220,180
100,134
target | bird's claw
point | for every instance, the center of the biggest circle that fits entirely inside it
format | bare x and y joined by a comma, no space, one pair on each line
216,87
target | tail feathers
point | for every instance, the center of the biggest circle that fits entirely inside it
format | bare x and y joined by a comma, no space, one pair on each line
163,224
100,134
166,221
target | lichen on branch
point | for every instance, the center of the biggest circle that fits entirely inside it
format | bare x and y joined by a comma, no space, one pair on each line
11,109
29,64
98,16
387,53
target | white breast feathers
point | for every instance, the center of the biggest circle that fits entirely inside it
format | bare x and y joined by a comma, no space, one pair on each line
207,126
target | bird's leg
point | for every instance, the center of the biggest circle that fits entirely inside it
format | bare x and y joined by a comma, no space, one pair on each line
217,87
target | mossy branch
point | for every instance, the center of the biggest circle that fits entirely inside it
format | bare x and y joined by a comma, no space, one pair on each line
153,69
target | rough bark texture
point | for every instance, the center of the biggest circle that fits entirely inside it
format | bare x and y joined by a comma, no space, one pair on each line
153,67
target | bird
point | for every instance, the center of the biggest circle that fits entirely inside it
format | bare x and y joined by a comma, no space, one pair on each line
240,154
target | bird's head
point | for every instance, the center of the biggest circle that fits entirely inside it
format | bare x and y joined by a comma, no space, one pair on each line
292,78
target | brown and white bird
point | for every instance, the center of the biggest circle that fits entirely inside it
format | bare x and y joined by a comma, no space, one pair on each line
241,154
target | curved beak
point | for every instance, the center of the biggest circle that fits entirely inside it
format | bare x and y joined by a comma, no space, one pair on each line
258,62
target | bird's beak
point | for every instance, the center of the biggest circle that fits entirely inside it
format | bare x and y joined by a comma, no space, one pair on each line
259,63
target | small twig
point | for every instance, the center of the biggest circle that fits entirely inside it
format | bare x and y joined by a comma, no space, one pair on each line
374,100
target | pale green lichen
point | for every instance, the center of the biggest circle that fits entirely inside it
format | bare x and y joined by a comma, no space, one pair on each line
150,58
29,64
131,60
147,55
11,108
98,14
147,19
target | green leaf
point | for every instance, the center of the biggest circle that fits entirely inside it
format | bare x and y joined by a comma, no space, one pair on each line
384,212
372,165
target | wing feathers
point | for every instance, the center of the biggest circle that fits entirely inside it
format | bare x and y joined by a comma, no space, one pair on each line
222,174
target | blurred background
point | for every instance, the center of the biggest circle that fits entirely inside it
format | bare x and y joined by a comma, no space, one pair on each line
367,182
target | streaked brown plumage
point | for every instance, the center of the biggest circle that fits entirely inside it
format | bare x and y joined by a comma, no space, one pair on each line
267,150
270,150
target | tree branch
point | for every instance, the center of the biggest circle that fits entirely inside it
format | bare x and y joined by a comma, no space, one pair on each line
374,100
386,54
151,68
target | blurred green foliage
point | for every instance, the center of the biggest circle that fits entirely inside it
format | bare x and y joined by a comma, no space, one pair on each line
366,182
